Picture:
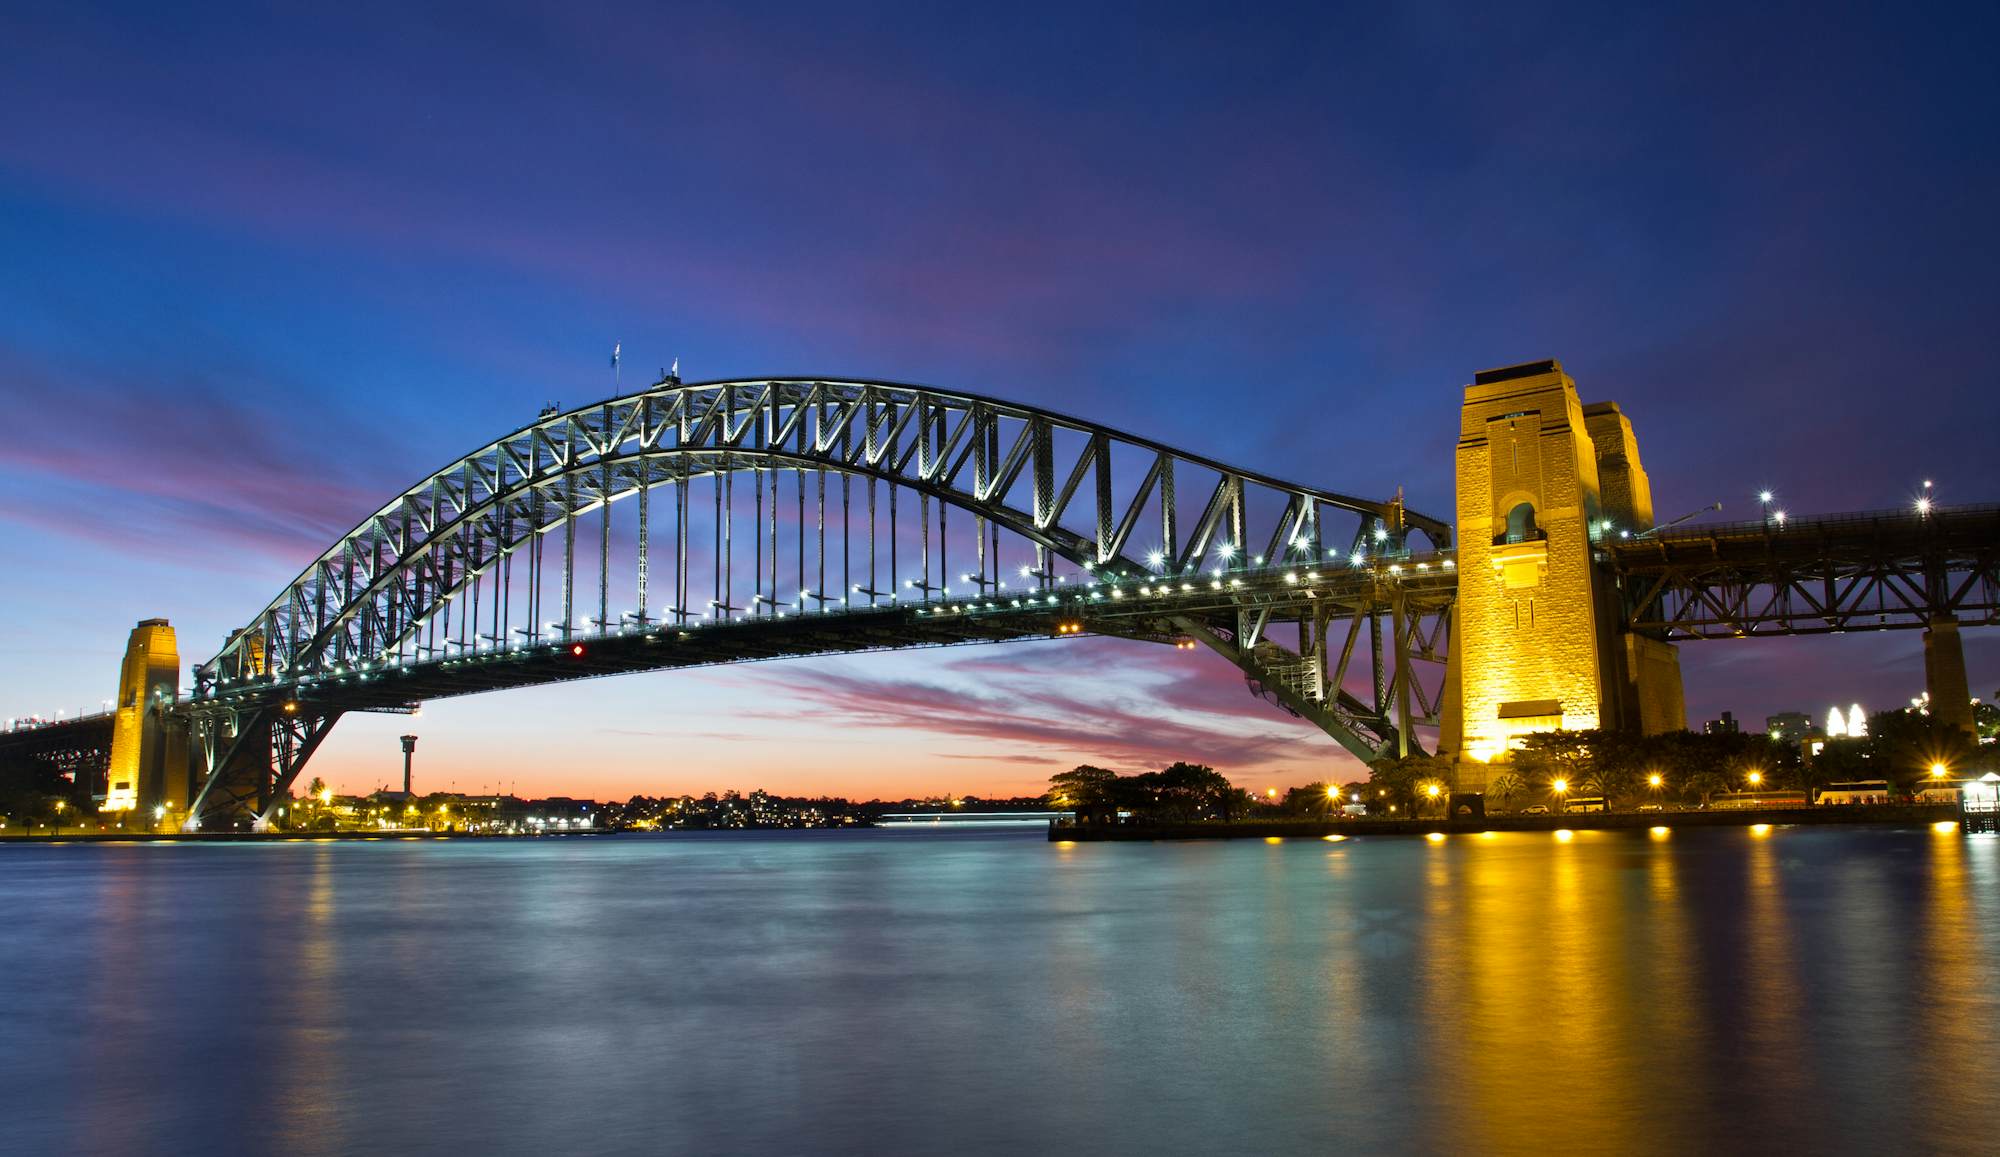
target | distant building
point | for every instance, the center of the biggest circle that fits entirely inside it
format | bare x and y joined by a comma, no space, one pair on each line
1788,726
1726,725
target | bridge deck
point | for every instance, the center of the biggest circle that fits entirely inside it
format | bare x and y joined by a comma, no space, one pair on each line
1135,610
1873,570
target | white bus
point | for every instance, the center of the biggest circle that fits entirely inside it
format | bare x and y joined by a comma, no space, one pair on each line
1757,799
1858,791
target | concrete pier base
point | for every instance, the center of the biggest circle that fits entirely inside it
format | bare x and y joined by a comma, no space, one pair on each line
1944,675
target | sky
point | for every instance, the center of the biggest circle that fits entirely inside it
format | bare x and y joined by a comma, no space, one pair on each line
261,267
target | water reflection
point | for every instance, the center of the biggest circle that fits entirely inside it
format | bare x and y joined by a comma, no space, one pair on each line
306,1114
1796,990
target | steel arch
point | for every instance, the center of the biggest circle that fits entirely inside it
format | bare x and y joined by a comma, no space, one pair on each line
401,565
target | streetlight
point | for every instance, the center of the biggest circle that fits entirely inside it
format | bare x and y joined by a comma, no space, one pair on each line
1764,497
1559,787
1939,770
1755,778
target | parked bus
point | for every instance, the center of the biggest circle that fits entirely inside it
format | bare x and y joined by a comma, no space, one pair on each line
1584,803
1758,799
1858,791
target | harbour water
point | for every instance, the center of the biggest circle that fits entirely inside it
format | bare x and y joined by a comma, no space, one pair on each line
951,991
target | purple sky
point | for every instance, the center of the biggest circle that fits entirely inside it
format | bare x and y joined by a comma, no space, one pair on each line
265,267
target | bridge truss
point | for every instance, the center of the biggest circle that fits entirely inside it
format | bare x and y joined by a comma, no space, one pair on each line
1879,570
729,521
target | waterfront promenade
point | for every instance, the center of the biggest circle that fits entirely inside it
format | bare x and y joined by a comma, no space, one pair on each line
1578,821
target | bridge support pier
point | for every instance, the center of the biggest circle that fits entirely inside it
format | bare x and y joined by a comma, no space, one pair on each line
1944,675
248,758
148,752
1543,482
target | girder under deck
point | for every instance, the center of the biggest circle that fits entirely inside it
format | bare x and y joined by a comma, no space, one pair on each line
1876,570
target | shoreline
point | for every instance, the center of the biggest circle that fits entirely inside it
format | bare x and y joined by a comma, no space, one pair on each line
270,837
1921,813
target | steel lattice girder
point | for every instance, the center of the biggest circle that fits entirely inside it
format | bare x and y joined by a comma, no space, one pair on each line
391,572
1884,570
357,630
249,757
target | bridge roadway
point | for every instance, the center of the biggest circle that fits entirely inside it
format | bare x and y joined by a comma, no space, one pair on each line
1332,674
1216,610
1859,571
1871,570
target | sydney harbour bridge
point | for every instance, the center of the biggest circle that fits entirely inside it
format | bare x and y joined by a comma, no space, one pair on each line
694,524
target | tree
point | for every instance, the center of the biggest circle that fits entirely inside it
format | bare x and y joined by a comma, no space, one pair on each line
1310,800
1610,779
1195,791
1404,779
1506,787
1904,744
1548,756
1705,784
1986,721
1081,786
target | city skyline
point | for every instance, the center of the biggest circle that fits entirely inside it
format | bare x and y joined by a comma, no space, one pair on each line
267,304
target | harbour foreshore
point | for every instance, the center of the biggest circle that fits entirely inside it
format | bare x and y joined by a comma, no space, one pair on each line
1925,813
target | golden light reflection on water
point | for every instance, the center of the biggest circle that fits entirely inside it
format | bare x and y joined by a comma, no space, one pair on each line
1956,966
1772,1004
1563,976
302,1112
1609,994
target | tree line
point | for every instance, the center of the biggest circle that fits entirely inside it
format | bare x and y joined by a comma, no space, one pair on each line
1179,792
1680,767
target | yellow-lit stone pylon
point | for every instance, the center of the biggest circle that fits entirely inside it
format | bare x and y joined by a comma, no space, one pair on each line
1543,478
144,773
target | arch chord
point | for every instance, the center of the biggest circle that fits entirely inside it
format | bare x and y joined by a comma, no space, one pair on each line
460,565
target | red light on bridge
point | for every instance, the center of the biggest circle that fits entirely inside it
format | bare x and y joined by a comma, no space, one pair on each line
576,650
